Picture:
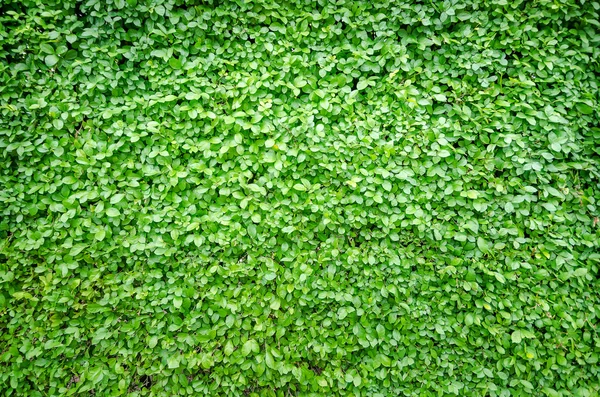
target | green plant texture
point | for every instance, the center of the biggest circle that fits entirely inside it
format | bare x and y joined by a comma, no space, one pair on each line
299,198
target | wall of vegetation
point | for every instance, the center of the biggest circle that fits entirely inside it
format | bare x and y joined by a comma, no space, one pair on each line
299,198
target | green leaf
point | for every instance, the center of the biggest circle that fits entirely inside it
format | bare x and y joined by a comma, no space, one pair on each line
270,276
362,84
100,234
96,375
175,63
51,60
299,82
112,212
116,198
250,346
516,336
300,187
500,277
584,108
47,48
472,194
269,361
483,245
177,301
527,384
69,180
173,362
469,319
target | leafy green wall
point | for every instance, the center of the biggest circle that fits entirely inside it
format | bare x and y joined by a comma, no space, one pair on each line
233,198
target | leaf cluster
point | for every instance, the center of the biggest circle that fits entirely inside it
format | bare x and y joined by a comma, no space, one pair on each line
368,198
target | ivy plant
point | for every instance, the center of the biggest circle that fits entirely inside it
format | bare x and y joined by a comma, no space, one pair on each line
299,198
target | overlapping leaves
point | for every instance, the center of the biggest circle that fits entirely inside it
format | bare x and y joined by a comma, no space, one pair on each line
302,198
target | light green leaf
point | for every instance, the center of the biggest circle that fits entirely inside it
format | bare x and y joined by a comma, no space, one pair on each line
250,346
469,319
516,336
472,194
177,301
483,245
100,234
51,60
112,212
173,362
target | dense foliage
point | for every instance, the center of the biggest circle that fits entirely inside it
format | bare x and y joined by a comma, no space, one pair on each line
299,198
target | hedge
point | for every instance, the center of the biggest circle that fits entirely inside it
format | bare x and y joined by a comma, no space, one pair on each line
299,198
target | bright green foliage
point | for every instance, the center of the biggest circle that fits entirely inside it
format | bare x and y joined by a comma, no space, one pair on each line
327,198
